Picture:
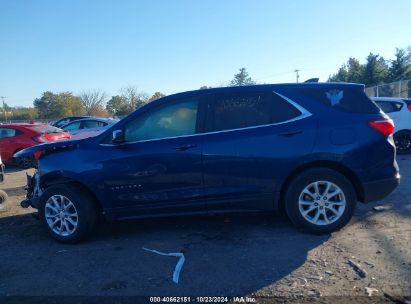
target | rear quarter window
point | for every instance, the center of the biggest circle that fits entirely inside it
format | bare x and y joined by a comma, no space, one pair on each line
342,99
389,106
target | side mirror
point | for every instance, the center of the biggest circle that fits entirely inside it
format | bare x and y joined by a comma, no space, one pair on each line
118,137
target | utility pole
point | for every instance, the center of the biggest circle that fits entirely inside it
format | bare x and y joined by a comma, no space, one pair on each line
4,108
298,76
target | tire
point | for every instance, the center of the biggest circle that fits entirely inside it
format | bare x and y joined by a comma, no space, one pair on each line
3,201
76,201
298,202
402,141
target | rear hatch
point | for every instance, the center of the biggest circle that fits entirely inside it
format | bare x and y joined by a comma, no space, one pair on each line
49,133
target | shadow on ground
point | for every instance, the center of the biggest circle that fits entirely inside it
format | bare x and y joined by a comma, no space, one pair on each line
224,256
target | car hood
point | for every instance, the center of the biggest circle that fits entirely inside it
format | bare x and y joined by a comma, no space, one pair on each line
49,147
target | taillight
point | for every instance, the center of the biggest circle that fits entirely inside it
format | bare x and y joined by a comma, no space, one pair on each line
40,138
409,107
385,127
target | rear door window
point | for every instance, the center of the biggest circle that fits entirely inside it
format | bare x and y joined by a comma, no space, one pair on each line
389,107
249,109
73,126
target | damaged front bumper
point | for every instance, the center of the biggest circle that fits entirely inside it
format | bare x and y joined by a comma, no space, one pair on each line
34,191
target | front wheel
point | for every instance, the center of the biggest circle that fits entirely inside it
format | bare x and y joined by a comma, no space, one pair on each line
3,201
320,200
67,212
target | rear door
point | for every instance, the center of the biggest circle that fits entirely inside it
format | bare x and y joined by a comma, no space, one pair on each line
254,139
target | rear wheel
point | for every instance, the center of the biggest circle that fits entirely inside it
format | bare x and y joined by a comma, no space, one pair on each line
67,212
320,200
402,141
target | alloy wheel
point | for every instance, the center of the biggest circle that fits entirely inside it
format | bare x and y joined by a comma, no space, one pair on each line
322,203
61,215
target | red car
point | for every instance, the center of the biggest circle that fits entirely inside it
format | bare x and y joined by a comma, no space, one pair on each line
15,137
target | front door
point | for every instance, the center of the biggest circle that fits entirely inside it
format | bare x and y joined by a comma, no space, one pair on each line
158,168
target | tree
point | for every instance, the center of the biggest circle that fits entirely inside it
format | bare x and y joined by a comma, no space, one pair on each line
72,105
341,76
129,100
204,87
155,96
355,70
52,106
400,67
242,78
134,98
94,102
375,70
352,71
117,106
23,113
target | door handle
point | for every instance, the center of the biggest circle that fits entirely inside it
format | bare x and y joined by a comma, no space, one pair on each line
185,147
290,132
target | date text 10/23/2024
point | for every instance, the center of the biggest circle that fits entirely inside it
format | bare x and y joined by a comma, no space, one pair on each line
200,299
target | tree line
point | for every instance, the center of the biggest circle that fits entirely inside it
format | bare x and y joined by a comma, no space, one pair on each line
376,69
91,103
96,102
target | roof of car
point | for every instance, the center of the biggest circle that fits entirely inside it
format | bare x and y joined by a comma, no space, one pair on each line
277,85
392,99
80,116
94,118
23,124
91,118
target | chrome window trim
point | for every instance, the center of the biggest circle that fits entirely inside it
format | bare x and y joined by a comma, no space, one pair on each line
304,114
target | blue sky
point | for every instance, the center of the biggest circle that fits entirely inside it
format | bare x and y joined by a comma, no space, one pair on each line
178,45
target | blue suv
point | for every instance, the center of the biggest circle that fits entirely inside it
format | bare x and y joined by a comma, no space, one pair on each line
310,149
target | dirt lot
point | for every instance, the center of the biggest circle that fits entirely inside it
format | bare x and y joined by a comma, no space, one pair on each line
260,256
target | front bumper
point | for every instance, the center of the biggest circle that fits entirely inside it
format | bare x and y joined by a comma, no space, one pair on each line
377,190
33,192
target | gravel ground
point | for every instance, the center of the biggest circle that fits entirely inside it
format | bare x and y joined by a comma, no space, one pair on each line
257,256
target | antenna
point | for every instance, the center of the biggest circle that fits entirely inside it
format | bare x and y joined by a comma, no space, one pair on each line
4,108
298,76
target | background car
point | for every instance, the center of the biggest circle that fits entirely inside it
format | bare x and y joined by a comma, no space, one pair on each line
15,137
64,121
88,126
399,110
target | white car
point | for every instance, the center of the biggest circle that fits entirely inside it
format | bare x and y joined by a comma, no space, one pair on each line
399,109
